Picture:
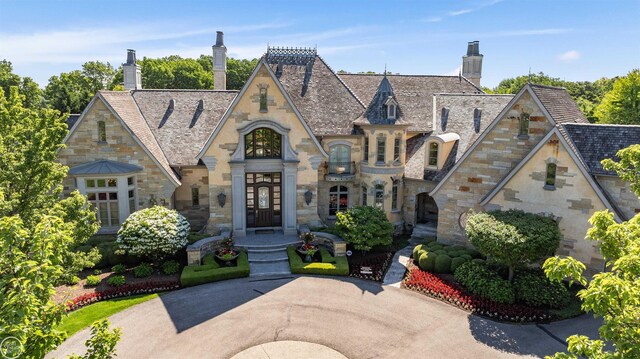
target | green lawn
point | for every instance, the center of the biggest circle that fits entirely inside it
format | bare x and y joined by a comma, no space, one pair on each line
85,316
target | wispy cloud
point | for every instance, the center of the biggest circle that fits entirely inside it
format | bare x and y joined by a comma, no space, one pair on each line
531,32
463,11
459,12
570,56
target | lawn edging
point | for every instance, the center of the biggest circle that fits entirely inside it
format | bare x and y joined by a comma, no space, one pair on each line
211,271
122,291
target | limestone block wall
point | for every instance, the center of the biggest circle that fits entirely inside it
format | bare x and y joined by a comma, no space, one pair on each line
413,187
620,192
83,146
490,161
193,177
572,202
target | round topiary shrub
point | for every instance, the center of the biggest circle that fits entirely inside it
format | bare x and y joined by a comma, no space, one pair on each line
155,233
440,252
431,262
422,260
419,254
434,245
417,249
364,227
443,264
466,256
457,262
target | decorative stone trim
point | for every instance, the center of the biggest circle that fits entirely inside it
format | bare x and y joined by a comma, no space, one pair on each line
197,250
334,244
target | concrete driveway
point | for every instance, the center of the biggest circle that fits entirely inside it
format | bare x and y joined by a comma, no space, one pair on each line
359,319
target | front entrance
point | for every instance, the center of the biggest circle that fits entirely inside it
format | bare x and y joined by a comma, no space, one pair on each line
264,208
426,209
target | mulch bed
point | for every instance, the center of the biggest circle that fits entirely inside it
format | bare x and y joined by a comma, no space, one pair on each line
445,289
377,262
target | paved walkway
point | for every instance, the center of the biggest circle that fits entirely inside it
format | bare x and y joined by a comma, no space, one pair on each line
398,266
359,319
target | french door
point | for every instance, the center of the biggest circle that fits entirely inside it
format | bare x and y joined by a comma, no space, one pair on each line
264,199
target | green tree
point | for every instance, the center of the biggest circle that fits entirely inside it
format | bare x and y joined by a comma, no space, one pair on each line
364,227
622,104
102,343
613,295
174,72
36,226
26,86
100,75
513,238
238,72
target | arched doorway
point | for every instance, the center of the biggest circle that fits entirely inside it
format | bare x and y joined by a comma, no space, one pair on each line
426,209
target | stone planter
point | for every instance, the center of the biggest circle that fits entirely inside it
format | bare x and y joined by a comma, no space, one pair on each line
227,261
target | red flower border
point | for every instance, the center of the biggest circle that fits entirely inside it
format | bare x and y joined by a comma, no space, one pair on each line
439,288
122,291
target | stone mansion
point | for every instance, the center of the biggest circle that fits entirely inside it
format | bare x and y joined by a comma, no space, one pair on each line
300,142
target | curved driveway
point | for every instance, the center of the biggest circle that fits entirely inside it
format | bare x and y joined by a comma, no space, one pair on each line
357,318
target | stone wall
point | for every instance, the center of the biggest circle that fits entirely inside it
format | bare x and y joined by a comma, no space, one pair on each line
194,177
412,188
83,146
620,192
572,202
500,150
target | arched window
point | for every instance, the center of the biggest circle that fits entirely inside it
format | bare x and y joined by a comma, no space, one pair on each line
433,154
524,125
391,111
550,181
379,196
339,159
338,199
263,143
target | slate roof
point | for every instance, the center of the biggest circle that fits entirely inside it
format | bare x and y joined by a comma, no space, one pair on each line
104,167
325,102
71,120
414,93
182,131
595,142
376,113
123,104
559,104
414,159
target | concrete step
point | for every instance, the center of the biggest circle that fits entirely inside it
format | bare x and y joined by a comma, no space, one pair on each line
269,268
274,256
268,247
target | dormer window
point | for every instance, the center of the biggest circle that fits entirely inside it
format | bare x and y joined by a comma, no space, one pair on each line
392,108
391,111
433,154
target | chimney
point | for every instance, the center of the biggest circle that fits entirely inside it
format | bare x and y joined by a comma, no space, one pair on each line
132,72
472,63
219,63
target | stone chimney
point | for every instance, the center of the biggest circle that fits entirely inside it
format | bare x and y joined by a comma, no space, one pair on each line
472,63
132,72
219,63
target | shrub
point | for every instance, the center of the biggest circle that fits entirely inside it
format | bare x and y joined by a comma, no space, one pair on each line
364,227
417,249
443,264
72,280
143,270
93,280
97,272
170,267
431,262
478,260
119,269
155,233
457,262
334,265
422,260
440,252
116,280
480,280
212,272
534,289
513,238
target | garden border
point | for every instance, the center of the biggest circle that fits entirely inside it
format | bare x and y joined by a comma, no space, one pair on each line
126,290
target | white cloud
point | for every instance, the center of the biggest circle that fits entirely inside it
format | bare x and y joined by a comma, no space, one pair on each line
433,19
570,56
459,12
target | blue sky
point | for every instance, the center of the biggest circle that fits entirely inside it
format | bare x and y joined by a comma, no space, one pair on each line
573,40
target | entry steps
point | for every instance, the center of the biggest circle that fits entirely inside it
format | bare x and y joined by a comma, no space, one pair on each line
269,259
421,231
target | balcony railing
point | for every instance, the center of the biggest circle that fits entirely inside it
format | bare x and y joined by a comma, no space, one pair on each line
341,168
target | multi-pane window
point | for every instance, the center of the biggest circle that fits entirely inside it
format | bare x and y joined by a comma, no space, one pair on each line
391,111
381,150
366,148
524,124
263,99
195,196
338,199
433,154
263,143
379,196
394,196
131,193
102,194
550,181
364,195
396,149
340,159
102,131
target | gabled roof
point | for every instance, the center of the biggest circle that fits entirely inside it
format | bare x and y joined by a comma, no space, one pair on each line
327,105
182,127
104,167
414,93
596,142
559,104
549,94
594,185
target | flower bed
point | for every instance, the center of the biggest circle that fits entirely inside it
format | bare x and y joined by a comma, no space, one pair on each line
122,291
379,263
435,286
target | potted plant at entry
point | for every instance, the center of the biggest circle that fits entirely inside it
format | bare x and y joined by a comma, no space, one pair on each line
307,248
227,253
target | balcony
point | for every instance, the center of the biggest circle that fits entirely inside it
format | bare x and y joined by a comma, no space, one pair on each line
341,171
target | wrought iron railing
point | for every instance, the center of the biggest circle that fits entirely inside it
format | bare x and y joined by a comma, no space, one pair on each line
342,168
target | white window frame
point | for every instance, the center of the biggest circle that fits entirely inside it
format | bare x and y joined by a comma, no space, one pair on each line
122,188
437,155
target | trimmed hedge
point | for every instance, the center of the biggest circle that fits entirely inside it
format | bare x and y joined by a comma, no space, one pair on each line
443,264
211,271
330,265
482,281
451,257
534,289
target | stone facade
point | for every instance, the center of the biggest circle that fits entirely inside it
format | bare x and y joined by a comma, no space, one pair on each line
82,146
194,177
620,192
499,151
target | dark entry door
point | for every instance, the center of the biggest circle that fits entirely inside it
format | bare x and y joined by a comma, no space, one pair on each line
426,209
264,199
